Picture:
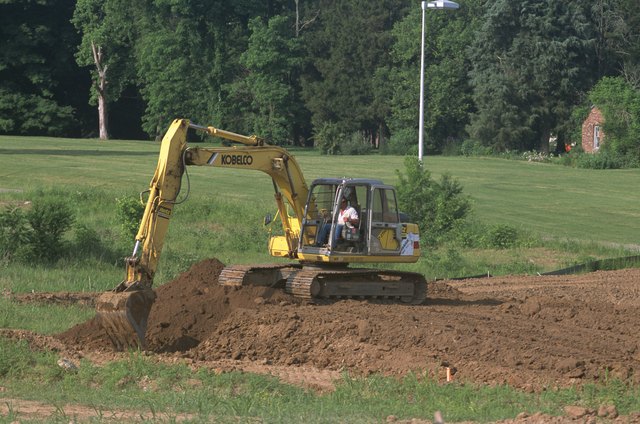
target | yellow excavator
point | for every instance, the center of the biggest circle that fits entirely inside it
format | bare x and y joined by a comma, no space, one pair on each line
313,233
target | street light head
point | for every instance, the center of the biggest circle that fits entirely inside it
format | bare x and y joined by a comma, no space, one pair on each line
442,4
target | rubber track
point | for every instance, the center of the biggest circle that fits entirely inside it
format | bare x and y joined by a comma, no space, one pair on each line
359,284
264,274
311,283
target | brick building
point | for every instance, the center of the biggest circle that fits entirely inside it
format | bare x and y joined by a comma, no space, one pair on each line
592,135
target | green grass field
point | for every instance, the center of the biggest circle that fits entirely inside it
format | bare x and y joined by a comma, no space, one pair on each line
588,205
572,215
567,215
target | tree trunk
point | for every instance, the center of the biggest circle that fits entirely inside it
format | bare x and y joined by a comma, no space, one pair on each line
544,141
103,116
101,88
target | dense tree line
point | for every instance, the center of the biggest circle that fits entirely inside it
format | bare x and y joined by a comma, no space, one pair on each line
505,74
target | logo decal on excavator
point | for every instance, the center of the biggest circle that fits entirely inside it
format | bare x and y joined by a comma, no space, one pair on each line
164,212
236,159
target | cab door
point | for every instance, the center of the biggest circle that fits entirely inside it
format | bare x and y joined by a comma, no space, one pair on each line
385,235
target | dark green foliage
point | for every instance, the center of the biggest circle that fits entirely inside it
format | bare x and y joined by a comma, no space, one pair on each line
266,92
506,73
88,242
447,92
531,60
328,138
620,106
346,47
472,147
437,207
129,211
106,37
35,235
37,79
601,160
402,142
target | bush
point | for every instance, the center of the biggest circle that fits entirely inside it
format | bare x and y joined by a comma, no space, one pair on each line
14,232
356,145
452,148
402,142
36,235
437,207
49,220
502,237
87,241
600,160
475,148
328,138
129,211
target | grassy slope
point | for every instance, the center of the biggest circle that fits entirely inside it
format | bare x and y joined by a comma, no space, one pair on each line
556,201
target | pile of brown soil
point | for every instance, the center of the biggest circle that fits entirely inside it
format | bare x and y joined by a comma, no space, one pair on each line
530,332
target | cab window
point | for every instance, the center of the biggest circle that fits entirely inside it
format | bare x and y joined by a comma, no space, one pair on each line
384,206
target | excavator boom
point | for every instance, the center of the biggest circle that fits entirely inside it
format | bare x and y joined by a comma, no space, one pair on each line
123,312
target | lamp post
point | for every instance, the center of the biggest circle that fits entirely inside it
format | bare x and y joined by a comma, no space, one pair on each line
435,4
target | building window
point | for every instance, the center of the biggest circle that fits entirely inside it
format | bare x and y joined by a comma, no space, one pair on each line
596,137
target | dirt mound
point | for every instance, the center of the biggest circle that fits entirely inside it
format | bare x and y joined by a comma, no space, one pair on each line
530,332
190,309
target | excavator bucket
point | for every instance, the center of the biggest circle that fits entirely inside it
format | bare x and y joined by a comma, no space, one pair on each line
123,315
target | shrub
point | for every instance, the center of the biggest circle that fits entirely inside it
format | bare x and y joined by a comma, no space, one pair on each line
49,220
452,148
600,160
437,207
129,211
87,241
356,145
402,142
475,148
470,234
36,235
328,138
502,237
14,232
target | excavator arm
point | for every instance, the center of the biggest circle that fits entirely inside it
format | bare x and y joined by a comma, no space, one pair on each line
124,311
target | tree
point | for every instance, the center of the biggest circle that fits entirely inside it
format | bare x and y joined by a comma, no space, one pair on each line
349,42
266,91
531,61
618,24
106,46
447,93
36,82
187,55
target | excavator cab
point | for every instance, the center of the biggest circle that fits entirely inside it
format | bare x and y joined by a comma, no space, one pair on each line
378,231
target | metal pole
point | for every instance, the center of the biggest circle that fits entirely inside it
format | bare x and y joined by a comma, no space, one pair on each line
421,119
